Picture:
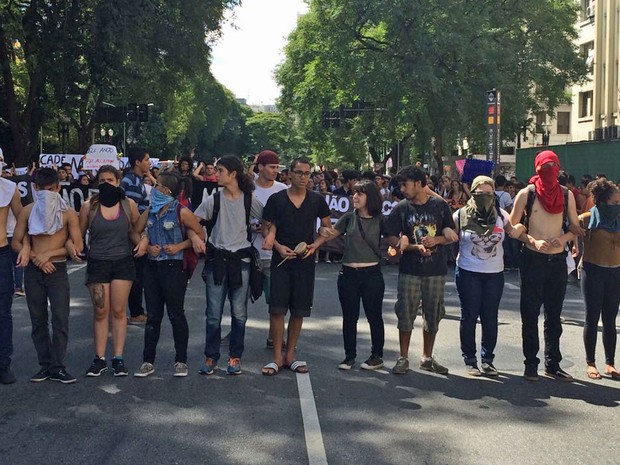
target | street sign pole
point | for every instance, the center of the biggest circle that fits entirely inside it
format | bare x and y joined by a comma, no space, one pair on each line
493,99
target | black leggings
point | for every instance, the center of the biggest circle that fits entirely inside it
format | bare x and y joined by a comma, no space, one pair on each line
601,293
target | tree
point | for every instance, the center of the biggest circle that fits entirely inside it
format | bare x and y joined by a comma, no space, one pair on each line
424,66
79,53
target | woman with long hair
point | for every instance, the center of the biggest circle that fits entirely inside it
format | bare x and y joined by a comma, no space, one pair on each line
165,279
109,218
457,198
360,277
600,274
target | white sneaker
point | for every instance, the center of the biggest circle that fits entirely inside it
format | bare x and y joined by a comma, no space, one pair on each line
145,369
180,369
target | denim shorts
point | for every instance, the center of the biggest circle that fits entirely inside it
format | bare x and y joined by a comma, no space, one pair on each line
412,289
106,271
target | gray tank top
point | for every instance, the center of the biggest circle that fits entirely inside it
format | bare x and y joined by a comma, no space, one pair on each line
109,239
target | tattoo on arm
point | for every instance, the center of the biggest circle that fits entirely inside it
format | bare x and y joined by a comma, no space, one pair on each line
97,295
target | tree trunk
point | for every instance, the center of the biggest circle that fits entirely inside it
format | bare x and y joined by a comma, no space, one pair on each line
438,153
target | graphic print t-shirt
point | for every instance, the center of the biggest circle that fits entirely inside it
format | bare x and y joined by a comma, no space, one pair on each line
417,222
482,254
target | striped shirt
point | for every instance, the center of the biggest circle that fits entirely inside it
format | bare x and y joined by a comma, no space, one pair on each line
135,190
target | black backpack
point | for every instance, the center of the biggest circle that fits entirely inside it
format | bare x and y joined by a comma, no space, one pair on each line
256,265
531,197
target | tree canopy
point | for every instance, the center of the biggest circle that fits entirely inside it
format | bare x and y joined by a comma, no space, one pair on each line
423,67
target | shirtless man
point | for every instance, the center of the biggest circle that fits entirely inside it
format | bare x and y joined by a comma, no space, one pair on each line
9,199
42,230
543,263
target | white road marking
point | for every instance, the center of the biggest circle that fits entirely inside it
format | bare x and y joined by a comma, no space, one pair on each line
514,287
312,427
75,268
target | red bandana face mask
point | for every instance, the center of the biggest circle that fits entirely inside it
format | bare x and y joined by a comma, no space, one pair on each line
548,188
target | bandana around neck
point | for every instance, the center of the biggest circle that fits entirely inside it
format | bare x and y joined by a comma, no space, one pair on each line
46,214
548,189
606,217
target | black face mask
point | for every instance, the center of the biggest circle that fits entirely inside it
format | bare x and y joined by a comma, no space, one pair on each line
110,195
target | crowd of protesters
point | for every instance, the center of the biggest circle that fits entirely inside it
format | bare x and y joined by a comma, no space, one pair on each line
139,232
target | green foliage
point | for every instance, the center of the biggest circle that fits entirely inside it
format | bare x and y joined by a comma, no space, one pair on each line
425,66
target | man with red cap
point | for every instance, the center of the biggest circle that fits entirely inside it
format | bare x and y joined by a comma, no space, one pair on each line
543,261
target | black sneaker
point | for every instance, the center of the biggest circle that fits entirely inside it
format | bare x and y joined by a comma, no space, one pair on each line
559,374
346,364
40,375
97,368
472,369
373,363
7,376
530,373
63,377
118,366
488,369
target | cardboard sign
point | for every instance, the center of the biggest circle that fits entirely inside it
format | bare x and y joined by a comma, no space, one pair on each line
50,159
99,155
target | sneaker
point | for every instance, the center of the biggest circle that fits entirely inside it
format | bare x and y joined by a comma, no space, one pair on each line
208,368
137,320
145,370
118,366
530,373
472,369
373,363
432,365
225,340
401,367
7,376
19,292
180,369
488,369
559,374
346,364
234,366
62,377
97,368
40,375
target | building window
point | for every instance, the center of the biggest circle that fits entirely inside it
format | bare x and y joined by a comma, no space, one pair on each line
587,9
541,120
586,51
585,104
563,122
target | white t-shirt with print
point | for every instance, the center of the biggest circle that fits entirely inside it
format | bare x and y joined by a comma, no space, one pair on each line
482,254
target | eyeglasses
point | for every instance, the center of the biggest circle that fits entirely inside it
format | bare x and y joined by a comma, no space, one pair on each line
302,174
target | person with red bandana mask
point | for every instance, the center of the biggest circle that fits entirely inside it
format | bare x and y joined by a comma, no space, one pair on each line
543,262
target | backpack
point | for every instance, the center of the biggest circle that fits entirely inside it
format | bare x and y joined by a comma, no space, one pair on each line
256,265
531,197
190,258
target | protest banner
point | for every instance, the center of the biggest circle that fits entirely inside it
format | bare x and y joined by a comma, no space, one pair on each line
50,159
99,155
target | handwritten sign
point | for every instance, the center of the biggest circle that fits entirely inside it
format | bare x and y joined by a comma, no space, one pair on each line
99,155
51,159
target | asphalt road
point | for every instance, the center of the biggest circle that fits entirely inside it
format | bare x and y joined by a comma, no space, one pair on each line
328,416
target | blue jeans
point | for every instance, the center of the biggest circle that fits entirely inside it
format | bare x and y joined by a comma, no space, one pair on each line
480,294
6,301
18,272
216,298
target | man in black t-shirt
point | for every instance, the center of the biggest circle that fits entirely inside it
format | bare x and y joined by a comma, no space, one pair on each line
425,225
289,218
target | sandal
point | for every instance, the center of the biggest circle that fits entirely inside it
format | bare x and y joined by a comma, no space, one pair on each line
592,372
298,367
613,374
271,369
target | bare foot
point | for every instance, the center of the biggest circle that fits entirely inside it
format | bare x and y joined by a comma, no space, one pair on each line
592,372
611,371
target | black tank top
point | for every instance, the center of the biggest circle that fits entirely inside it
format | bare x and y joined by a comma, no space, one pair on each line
109,239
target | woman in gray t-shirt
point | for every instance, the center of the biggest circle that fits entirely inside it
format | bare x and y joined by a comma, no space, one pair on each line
361,277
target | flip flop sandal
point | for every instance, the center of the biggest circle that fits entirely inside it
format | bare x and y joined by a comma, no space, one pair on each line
593,373
271,369
613,375
298,367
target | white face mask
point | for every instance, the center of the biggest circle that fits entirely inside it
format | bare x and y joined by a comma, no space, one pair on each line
46,215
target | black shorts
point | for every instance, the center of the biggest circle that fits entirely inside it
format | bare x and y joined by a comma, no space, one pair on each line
106,271
291,288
